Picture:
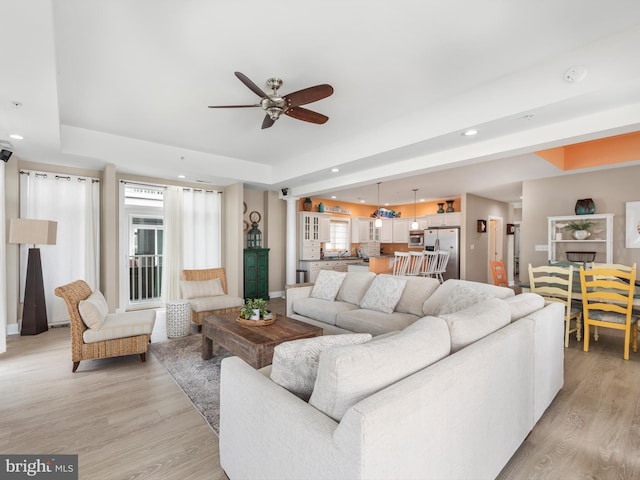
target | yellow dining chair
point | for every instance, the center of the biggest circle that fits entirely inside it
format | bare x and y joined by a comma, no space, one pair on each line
607,301
556,284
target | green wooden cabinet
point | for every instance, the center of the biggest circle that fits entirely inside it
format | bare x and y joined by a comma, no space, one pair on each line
256,273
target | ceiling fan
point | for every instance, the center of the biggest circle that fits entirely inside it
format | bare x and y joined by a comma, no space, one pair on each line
275,105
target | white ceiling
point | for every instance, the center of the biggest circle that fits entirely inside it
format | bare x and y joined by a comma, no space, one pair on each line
128,83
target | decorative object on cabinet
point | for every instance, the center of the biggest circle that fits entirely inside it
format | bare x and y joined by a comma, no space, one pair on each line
482,226
307,204
585,206
321,207
633,225
580,229
441,208
414,225
449,206
254,237
511,229
256,273
378,222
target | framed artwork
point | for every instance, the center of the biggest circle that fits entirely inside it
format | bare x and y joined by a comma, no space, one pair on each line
511,229
633,225
482,226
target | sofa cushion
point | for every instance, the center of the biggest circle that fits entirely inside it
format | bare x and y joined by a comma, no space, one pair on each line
383,294
327,284
375,323
415,293
462,297
201,288
434,303
476,322
354,286
122,325
93,310
351,373
524,304
206,304
295,363
321,310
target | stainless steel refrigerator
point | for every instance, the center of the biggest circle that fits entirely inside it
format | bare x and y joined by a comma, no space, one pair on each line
445,238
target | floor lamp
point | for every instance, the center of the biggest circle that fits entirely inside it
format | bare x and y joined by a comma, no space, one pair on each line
33,232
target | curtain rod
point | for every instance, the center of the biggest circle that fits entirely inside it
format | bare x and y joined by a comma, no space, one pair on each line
139,184
60,177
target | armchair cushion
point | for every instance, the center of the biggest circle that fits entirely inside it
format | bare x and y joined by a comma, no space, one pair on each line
122,325
93,310
206,304
201,288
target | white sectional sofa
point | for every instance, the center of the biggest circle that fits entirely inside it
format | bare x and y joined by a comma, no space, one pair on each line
450,394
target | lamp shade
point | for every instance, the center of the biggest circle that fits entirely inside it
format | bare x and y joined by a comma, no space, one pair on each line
36,232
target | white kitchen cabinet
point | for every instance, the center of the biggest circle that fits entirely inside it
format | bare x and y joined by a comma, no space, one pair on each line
401,228
386,231
363,230
309,236
561,240
423,222
324,228
313,267
451,219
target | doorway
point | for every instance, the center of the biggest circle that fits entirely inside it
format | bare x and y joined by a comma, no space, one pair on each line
495,253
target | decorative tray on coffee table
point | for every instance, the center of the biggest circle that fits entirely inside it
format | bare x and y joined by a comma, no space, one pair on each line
268,320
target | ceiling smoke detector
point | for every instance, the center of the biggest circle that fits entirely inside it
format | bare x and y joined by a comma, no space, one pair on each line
575,74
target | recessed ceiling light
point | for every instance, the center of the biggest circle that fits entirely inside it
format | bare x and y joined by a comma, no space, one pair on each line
15,136
334,197
386,204
334,169
361,201
470,132
181,176
421,200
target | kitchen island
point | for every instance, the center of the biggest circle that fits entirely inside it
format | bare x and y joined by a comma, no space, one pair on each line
381,264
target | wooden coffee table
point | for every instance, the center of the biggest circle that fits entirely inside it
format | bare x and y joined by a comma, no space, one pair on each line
253,344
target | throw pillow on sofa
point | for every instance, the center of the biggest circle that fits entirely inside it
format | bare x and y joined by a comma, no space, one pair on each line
383,294
348,374
201,288
327,285
295,363
476,322
93,310
462,297
434,303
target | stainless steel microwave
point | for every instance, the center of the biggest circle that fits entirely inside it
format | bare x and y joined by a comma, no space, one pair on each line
416,239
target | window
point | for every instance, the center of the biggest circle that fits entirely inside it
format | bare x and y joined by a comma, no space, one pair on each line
339,235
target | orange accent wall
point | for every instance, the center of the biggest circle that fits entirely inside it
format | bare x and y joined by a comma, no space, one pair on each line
362,210
605,151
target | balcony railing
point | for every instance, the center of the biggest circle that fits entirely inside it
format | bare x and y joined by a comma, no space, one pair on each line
145,278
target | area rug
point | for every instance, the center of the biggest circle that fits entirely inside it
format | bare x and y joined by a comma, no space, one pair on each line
199,379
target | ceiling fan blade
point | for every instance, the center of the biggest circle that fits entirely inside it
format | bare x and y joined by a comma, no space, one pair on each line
233,106
303,114
308,95
267,122
250,85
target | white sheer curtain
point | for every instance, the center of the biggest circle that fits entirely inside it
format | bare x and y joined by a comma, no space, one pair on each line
172,249
74,202
201,227
3,270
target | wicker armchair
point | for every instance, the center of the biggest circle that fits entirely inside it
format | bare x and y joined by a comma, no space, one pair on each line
227,305
72,294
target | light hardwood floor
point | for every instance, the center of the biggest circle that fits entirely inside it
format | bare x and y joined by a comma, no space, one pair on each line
129,420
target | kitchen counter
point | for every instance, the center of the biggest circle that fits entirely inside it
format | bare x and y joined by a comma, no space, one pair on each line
381,264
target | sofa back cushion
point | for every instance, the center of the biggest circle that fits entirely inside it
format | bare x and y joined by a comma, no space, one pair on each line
383,294
295,363
524,304
434,303
351,373
327,284
415,293
354,286
476,322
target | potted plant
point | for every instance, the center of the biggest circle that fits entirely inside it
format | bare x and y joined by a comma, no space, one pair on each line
253,309
580,229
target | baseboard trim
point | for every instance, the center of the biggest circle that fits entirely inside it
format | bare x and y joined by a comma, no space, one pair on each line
13,329
279,294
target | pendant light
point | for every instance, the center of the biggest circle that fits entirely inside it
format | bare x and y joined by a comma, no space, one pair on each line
378,222
414,224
